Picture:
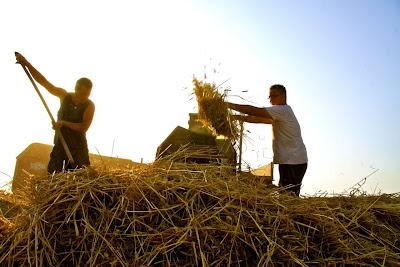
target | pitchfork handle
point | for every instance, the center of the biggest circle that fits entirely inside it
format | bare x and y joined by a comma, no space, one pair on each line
58,132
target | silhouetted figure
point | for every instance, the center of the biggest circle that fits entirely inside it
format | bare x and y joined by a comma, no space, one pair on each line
73,119
287,144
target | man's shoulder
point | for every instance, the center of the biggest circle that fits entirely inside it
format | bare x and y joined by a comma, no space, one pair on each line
279,108
66,97
280,112
90,103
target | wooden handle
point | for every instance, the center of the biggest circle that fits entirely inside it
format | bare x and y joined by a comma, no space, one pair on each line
240,147
58,132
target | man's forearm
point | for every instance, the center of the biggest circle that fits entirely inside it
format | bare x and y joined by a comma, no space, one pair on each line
256,119
250,110
59,92
252,119
79,127
246,109
37,75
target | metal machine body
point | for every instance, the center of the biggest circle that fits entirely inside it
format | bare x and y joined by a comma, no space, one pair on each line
197,145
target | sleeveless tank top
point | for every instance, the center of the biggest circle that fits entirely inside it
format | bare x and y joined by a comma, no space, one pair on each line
72,113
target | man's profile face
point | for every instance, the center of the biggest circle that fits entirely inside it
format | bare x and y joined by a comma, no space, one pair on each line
82,92
275,97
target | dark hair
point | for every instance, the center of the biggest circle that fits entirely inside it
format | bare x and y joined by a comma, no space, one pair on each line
85,82
279,87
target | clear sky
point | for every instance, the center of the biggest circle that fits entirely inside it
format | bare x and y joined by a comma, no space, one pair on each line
339,60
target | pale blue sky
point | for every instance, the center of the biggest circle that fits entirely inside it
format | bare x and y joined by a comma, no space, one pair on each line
339,61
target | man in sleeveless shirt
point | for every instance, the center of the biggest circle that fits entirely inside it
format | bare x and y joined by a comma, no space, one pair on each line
287,144
73,119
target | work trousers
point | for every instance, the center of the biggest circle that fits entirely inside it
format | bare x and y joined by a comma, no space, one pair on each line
59,160
291,177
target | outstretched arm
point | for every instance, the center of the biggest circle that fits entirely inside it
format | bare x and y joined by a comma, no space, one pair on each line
250,110
252,119
83,126
56,91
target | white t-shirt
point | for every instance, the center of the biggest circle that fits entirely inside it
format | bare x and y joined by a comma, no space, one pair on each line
287,144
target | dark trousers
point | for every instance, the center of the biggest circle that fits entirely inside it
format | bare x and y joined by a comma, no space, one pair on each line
59,160
291,176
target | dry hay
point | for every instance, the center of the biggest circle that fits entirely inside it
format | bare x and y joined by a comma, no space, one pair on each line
5,226
10,204
213,111
168,215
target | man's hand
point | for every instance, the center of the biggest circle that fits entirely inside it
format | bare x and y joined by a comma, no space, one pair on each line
21,59
57,125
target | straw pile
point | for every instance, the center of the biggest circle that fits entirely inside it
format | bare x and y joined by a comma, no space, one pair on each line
5,225
10,205
213,111
167,215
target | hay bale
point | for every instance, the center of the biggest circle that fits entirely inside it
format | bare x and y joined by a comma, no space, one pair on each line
167,214
213,111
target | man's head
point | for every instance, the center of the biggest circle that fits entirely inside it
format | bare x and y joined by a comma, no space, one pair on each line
83,88
277,94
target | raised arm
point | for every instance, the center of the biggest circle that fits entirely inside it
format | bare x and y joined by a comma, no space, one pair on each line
56,91
252,119
250,110
80,126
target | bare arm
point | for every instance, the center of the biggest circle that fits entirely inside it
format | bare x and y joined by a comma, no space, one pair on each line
252,119
83,126
56,91
250,110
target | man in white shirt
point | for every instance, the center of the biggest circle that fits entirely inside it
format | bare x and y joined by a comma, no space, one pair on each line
287,144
